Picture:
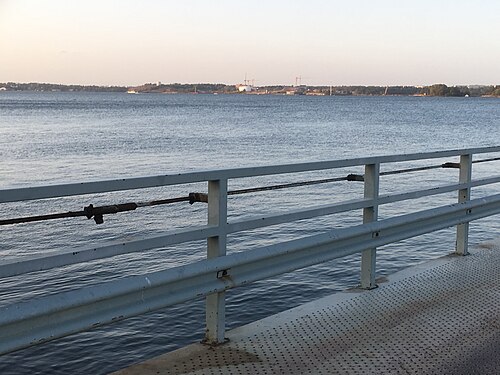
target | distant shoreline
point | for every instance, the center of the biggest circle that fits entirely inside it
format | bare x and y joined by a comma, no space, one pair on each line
209,88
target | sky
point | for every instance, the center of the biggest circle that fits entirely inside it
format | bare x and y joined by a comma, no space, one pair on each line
325,42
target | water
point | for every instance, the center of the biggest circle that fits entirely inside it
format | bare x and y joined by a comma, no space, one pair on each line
48,138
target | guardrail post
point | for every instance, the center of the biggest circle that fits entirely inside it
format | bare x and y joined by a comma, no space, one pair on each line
368,256
216,246
465,175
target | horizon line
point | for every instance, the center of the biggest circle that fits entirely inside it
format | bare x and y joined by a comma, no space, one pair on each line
236,84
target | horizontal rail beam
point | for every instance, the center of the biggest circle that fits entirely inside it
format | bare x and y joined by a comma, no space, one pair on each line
63,190
72,256
385,199
308,213
46,318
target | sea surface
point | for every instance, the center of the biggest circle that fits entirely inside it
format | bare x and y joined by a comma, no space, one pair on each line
51,138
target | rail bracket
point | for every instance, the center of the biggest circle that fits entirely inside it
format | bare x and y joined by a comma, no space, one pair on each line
198,197
222,273
355,177
90,212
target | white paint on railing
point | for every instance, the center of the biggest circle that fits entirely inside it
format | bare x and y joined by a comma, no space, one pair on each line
54,316
58,315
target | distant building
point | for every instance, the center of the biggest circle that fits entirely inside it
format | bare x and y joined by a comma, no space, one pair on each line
3,88
296,90
244,88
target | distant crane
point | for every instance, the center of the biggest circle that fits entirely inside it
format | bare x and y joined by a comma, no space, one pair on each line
249,82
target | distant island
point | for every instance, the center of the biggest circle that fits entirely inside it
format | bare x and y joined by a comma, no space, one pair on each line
211,88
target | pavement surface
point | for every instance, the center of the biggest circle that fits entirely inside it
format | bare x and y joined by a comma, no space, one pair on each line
441,317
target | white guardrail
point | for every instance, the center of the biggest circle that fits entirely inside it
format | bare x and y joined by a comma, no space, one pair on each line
46,318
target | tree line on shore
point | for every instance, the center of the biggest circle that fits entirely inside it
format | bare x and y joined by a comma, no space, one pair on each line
210,88
34,86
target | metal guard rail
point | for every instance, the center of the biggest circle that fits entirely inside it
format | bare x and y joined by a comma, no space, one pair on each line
49,317
64,190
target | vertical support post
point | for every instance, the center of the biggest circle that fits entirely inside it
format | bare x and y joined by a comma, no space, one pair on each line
465,175
368,256
216,246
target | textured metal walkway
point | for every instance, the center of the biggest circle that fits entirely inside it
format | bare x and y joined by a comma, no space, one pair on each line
442,317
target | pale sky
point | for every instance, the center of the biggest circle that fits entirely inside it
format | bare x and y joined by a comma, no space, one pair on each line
326,42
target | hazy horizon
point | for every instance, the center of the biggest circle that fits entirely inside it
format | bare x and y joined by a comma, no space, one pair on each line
126,43
236,83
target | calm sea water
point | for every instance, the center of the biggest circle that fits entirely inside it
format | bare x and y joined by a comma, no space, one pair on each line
48,138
